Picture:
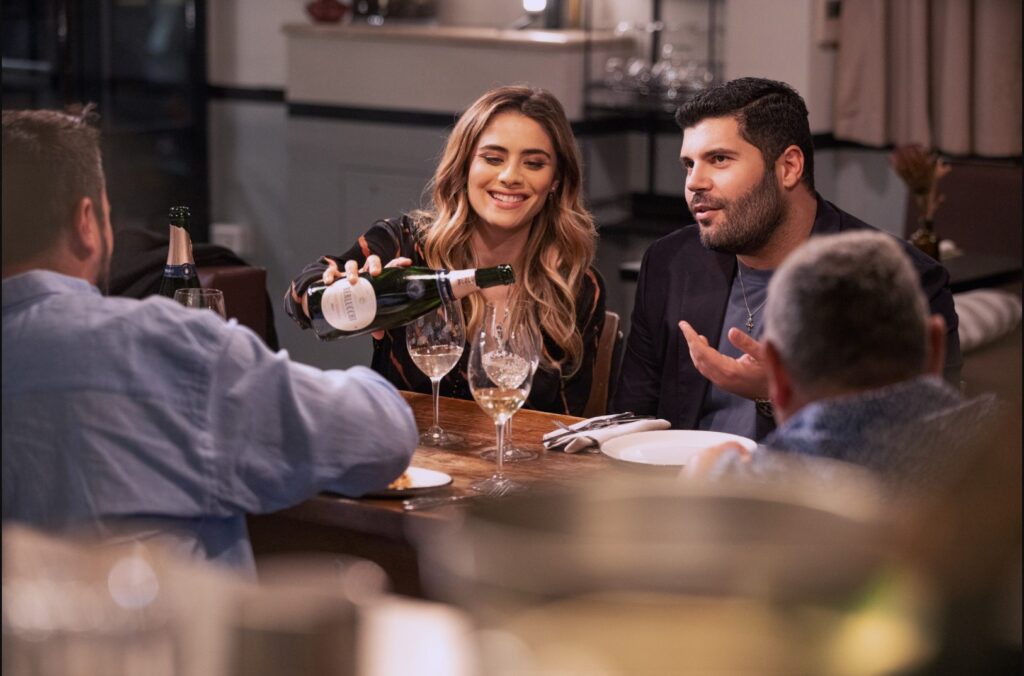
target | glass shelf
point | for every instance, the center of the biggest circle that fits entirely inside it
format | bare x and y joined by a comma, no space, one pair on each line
604,99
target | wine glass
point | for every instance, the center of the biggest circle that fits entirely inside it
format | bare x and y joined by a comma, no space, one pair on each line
209,299
435,342
501,367
512,452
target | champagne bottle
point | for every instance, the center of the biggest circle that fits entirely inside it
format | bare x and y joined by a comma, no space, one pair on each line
180,269
392,299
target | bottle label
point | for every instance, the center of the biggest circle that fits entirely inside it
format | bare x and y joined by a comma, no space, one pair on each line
463,282
185,271
349,308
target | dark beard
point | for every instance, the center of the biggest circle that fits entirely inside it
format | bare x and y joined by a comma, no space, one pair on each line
751,219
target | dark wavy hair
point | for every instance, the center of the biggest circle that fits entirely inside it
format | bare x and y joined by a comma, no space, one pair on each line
772,116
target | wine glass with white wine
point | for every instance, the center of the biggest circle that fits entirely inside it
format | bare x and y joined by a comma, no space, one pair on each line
501,367
435,342
514,453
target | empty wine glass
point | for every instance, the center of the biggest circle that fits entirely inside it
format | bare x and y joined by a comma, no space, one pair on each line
502,362
208,299
436,341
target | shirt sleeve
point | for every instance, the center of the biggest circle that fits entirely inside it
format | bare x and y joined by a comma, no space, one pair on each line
940,301
280,431
935,284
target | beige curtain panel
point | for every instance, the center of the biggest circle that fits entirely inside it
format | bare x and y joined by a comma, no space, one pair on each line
942,73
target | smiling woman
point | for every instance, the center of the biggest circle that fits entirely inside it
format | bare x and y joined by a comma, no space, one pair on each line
508,189
511,174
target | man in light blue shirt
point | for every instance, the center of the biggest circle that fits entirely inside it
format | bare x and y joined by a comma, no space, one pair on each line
128,418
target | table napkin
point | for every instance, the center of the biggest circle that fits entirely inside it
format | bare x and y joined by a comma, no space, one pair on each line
593,438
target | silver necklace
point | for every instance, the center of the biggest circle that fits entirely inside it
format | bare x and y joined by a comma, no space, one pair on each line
743,290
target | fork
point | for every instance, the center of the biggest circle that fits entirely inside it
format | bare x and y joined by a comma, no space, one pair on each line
414,504
620,419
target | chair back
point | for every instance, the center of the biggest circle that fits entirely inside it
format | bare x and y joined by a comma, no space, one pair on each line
245,294
606,366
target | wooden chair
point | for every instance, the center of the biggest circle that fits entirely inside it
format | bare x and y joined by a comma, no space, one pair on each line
245,296
606,366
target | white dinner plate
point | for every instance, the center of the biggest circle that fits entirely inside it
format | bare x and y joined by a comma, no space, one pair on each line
667,447
420,480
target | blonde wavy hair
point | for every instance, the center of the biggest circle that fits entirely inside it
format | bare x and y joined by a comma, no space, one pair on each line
563,238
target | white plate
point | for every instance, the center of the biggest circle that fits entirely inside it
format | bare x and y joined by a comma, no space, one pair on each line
667,447
420,480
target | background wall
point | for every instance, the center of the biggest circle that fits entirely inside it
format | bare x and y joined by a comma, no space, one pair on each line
254,144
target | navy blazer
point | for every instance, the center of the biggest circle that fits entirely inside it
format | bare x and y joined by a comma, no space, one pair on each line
680,279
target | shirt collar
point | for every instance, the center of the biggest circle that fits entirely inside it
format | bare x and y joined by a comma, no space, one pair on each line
826,218
37,283
925,391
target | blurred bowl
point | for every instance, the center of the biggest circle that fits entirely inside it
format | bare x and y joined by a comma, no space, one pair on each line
807,539
626,576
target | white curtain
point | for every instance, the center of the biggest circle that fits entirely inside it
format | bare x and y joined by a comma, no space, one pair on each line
942,73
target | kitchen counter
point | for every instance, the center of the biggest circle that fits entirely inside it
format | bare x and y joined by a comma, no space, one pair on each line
437,69
464,35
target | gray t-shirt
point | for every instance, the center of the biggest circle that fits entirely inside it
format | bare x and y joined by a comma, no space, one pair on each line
723,411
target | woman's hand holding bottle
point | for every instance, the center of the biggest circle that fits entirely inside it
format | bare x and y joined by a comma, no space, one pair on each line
383,299
352,270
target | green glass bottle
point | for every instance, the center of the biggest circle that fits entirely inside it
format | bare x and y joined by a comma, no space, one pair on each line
180,269
392,299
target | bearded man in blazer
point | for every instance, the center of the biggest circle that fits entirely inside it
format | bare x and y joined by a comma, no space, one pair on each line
749,163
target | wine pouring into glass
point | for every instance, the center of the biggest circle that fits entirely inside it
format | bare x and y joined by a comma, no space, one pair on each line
513,453
436,341
501,367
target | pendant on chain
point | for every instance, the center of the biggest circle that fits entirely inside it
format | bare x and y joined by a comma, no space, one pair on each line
750,323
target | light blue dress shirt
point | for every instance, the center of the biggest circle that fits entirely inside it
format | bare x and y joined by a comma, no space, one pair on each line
132,418
913,435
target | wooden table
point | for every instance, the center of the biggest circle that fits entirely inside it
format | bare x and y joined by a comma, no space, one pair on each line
376,528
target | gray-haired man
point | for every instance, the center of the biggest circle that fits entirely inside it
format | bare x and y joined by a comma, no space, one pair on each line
854,363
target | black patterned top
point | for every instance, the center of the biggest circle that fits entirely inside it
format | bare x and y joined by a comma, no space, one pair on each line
551,391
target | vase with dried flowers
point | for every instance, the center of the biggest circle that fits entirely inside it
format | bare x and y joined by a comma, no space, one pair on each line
921,171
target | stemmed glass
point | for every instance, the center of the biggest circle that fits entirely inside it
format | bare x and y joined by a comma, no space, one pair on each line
512,452
209,299
502,362
436,341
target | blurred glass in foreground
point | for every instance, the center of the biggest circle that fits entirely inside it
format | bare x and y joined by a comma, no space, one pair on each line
645,575
72,607
811,573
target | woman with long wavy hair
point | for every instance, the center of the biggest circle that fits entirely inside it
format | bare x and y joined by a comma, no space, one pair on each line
508,189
